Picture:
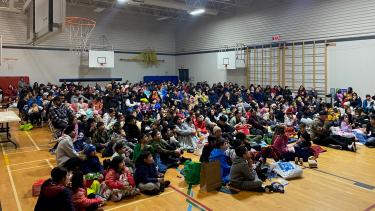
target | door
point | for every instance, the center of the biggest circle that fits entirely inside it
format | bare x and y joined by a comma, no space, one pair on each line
183,75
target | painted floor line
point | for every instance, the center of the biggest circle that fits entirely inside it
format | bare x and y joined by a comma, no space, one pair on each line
33,161
33,167
32,140
191,199
137,201
370,207
20,148
357,183
49,163
12,184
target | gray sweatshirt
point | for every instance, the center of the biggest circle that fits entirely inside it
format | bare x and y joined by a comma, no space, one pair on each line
240,171
65,150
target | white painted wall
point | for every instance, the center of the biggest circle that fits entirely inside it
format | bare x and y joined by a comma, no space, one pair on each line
352,64
50,66
202,67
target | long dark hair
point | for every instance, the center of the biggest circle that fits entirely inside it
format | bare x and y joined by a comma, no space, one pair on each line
77,180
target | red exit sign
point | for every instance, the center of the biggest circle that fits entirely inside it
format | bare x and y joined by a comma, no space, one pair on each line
276,37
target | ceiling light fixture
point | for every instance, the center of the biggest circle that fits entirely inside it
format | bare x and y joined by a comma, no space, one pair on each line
122,1
197,12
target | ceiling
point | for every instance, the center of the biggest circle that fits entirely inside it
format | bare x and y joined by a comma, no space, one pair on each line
161,9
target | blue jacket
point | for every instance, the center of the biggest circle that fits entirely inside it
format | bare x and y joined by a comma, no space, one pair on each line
145,173
213,98
92,165
218,154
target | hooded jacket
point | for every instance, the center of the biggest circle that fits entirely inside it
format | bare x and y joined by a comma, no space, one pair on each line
54,197
241,171
218,154
65,150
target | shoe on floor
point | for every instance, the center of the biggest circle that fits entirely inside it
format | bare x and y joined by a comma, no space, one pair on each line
335,146
352,147
312,162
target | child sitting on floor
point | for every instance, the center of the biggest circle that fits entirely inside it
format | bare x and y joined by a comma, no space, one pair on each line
148,179
242,174
280,144
142,144
92,163
119,182
218,154
80,200
122,151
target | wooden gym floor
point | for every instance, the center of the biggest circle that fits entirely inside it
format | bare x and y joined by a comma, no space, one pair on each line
343,181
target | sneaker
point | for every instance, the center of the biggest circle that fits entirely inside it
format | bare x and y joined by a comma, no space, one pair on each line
312,162
352,147
269,189
335,146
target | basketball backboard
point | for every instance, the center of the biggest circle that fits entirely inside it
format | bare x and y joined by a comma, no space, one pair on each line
226,60
45,18
101,59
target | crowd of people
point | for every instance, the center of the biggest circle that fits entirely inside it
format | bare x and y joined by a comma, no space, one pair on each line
142,129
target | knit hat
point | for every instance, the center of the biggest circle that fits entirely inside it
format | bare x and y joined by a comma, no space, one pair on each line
89,148
216,128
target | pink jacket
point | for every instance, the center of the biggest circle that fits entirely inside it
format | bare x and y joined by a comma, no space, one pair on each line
81,202
281,144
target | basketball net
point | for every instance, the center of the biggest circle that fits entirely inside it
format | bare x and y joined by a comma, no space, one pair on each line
79,33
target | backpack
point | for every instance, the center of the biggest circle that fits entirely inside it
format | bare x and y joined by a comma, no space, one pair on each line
191,172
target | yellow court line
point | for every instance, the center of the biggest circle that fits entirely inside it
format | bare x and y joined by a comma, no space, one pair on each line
12,183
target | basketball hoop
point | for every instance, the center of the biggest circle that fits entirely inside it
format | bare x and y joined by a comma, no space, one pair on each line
79,33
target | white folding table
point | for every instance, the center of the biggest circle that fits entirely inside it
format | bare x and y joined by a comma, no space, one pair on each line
5,118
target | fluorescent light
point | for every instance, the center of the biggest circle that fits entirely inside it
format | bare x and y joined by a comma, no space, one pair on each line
197,12
99,9
162,18
122,1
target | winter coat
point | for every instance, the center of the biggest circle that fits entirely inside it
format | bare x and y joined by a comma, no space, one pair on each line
218,154
92,165
81,202
54,197
145,173
112,179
